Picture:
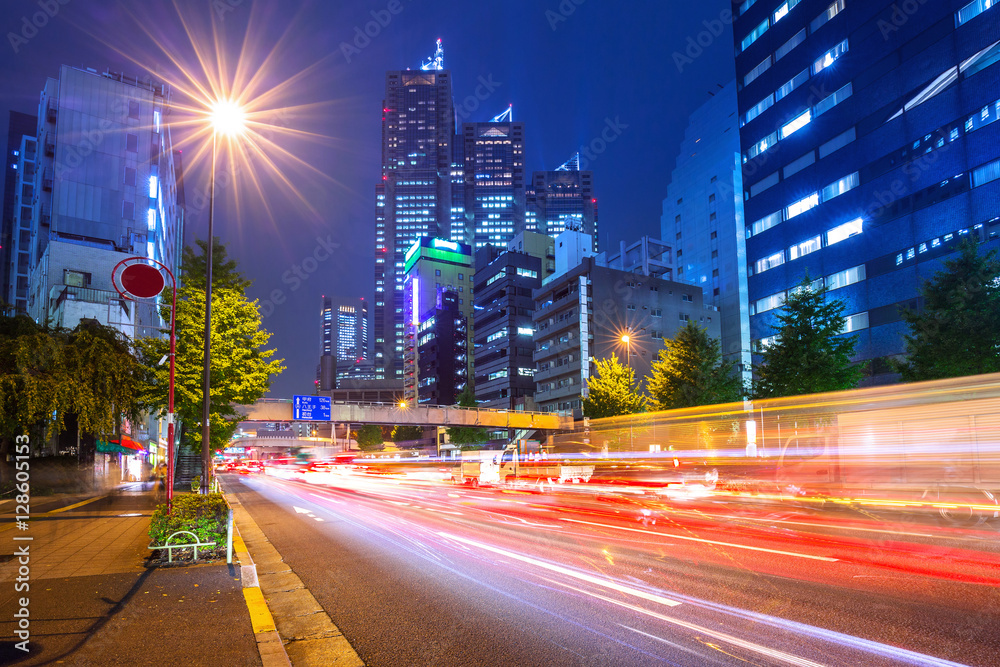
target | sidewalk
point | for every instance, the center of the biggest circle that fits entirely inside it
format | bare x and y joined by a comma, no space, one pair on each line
93,602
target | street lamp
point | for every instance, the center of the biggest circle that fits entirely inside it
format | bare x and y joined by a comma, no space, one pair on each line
228,118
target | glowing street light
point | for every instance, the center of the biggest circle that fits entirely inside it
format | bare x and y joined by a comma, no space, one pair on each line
228,118
402,405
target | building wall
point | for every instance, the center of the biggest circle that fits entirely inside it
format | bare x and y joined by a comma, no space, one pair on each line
581,315
505,281
876,164
703,218
22,215
19,126
561,199
106,175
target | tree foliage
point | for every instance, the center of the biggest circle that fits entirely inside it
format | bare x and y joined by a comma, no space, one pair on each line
407,433
468,437
241,366
90,372
369,437
690,372
809,355
611,391
957,332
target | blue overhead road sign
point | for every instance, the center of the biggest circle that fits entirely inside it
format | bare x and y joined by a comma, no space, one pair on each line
311,408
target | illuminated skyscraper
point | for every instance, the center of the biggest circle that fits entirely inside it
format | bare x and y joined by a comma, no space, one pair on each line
414,198
562,199
494,179
352,333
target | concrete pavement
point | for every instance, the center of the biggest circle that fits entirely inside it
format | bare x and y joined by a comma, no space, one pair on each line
92,601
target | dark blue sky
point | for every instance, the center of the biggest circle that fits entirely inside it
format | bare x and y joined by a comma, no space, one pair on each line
567,75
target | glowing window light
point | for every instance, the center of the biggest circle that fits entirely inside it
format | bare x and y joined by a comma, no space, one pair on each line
796,124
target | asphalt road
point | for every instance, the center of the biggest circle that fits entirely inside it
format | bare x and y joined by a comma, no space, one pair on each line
428,573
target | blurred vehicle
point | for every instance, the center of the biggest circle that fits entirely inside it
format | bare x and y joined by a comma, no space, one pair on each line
921,447
509,467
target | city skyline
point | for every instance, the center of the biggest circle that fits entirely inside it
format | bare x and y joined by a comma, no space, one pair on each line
562,114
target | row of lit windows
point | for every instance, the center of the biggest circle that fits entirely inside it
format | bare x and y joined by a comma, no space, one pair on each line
782,11
834,281
835,189
833,236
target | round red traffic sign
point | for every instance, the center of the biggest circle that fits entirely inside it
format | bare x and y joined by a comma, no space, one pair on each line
142,281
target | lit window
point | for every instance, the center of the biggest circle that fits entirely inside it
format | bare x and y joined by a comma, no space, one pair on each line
826,15
151,220
804,248
829,57
755,34
765,223
972,10
758,108
801,206
856,322
792,84
757,71
796,124
525,331
844,231
846,277
783,10
832,100
840,186
153,183
767,263
769,303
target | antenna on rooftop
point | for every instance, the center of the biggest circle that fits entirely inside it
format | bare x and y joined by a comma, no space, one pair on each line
437,60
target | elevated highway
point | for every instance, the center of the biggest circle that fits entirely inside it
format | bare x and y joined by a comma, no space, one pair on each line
277,410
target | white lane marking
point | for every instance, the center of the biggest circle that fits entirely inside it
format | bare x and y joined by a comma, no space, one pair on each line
589,578
820,525
736,641
300,510
700,539
317,518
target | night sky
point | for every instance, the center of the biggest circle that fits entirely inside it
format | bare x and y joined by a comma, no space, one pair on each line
568,69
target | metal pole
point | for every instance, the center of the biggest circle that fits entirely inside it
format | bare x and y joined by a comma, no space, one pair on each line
170,392
206,450
229,537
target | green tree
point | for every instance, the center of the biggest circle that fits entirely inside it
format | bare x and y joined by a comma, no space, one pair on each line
809,355
958,330
468,437
611,391
407,433
46,375
241,366
369,438
690,372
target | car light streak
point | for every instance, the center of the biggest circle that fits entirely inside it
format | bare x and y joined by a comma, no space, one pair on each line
589,578
700,539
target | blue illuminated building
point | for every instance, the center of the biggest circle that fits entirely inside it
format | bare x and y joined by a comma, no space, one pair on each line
869,149
703,219
562,199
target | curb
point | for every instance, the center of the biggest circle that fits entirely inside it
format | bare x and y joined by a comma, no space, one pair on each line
269,644
306,633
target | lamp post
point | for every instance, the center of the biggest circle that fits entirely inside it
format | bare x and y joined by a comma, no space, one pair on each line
138,281
228,118
627,339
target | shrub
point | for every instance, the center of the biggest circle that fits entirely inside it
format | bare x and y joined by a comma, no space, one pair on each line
205,516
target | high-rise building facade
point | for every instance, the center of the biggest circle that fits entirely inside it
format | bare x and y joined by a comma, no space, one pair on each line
15,233
413,199
505,283
105,188
352,333
869,149
562,199
432,267
703,219
494,179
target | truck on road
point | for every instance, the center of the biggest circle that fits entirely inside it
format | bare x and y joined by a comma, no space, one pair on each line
511,468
